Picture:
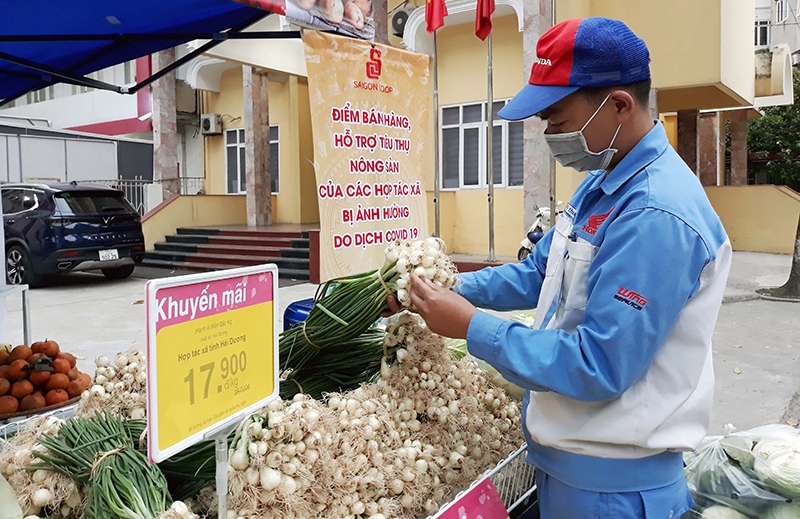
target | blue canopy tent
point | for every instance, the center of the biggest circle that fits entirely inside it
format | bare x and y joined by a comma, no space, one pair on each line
43,42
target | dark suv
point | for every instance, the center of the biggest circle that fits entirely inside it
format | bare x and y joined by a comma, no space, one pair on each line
52,229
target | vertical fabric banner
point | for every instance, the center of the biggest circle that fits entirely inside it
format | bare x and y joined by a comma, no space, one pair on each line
370,106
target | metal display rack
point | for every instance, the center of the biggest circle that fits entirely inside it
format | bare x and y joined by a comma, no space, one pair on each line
513,478
13,426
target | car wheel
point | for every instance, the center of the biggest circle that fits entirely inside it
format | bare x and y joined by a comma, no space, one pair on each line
19,270
522,253
118,272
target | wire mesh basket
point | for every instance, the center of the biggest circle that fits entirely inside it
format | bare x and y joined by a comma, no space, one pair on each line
513,478
12,427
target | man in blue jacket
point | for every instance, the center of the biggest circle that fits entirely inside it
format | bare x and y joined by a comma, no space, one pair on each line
627,288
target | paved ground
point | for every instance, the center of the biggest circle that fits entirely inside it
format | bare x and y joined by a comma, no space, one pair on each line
756,343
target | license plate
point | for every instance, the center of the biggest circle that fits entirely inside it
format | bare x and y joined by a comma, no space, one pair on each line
110,254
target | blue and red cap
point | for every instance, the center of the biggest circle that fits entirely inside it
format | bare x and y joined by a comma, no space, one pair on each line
578,53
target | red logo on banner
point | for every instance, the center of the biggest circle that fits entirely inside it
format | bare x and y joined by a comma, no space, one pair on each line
374,64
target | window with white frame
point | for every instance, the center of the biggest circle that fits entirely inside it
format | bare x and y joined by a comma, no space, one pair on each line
235,164
781,10
463,147
762,33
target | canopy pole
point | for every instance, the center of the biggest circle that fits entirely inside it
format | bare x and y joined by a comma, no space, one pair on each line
436,171
552,160
489,145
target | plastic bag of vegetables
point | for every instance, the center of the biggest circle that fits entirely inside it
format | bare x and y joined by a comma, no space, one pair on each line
716,478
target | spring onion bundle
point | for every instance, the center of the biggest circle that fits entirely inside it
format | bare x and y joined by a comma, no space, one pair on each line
344,308
38,491
100,453
338,368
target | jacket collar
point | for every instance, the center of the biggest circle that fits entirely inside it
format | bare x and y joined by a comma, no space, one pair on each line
645,152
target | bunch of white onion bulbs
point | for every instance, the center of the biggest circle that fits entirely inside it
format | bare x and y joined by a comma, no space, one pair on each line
424,258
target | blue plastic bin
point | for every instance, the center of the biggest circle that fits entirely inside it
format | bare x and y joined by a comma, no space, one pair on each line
297,312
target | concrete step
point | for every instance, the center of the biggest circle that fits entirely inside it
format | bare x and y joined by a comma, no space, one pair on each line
265,252
262,233
248,241
287,273
226,259
207,248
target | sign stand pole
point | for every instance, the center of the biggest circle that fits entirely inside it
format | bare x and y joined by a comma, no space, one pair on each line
220,437
221,444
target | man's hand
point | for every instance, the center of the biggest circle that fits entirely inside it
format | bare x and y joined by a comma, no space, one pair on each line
445,312
394,307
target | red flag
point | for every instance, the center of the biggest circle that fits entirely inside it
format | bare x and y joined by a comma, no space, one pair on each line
483,18
435,11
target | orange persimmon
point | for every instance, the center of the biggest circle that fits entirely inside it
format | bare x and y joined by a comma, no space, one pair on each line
51,349
20,352
56,396
60,366
69,357
8,404
32,402
57,381
38,378
21,388
17,369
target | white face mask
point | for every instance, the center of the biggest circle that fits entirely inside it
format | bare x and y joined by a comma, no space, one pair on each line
571,151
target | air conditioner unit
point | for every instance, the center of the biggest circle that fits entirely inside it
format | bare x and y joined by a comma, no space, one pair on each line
399,20
211,124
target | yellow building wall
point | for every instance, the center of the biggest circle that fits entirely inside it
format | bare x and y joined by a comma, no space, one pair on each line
757,218
228,103
309,208
289,109
671,128
462,62
701,51
193,211
465,217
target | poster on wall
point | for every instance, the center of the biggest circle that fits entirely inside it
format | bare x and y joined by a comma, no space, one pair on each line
370,107
347,17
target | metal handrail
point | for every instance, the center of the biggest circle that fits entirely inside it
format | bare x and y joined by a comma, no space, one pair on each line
135,189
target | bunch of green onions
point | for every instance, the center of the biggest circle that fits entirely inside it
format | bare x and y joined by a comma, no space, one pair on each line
338,368
196,463
100,453
344,308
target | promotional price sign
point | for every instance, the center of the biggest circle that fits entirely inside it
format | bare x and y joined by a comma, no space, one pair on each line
480,502
370,105
212,353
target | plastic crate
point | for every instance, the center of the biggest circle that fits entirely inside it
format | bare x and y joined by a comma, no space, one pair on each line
297,312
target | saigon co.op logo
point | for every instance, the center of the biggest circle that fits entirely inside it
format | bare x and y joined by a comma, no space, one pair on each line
374,64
